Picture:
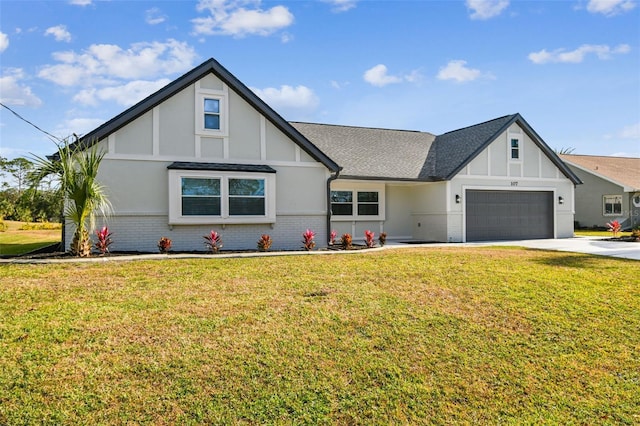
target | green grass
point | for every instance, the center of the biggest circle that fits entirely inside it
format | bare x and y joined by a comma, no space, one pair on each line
606,234
421,335
16,241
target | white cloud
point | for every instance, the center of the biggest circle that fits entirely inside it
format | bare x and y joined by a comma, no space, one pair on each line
4,41
602,51
610,7
458,71
59,32
230,17
154,16
486,9
126,94
377,76
103,63
630,132
12,92
339,6
80,2
288,97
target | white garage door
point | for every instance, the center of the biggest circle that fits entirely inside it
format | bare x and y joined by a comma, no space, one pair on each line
508,215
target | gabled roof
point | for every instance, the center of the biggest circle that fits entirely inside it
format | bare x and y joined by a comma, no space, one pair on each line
384,154
210,66
623,171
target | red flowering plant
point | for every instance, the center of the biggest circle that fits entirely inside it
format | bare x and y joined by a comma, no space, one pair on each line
104,240
382,238
264,243
307,240
369,238
164,245
615,227
213,241
346,241
332,237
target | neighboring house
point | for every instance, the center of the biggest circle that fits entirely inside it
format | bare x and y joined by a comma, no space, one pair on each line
611,190
206,153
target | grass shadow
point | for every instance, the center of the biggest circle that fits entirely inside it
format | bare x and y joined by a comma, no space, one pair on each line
574,260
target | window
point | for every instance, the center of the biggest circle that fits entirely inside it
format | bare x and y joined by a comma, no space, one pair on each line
515,148
212,114
221,196
368,203
211,118
612,205
342,203
347,204
200,197
246,197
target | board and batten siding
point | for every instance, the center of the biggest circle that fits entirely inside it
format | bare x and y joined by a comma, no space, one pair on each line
493,169
134,173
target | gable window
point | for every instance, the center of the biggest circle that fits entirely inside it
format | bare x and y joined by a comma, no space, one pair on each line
211,114
204,193
354,204
612,205
514,144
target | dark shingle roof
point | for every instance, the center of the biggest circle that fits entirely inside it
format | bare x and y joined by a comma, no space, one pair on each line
221,167
384,154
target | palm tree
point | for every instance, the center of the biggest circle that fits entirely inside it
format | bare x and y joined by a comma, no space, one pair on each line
76,170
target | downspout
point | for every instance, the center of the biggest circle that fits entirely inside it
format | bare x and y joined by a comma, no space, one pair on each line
329,180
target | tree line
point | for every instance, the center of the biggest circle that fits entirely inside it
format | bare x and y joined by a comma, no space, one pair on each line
25,198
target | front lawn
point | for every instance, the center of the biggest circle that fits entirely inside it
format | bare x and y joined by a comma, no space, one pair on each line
593,233
422,335
16,241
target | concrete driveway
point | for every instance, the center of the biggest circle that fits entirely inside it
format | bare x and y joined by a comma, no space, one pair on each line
587,245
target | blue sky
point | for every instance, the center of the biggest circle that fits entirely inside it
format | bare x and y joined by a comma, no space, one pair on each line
571,68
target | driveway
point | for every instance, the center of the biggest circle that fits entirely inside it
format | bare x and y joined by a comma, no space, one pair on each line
599,246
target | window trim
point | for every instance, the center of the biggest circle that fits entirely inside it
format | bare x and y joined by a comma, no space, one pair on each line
175,197
219,95
354,189
617,197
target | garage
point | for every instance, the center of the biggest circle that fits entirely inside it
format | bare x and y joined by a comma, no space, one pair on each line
508,215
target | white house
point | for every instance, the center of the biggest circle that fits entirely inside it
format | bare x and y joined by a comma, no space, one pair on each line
206,153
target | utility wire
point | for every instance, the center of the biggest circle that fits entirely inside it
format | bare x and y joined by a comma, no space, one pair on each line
31,124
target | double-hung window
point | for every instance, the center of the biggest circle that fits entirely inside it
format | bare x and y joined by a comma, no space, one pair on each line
358,204
207,193
200,196
515,147
612,205
211,113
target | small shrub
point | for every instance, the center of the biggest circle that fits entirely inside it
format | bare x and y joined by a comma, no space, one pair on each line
382,238
264,243
332,237
369,238
164,245
615,227
307,240
346,241
3,226
213,241
104,240
635,233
